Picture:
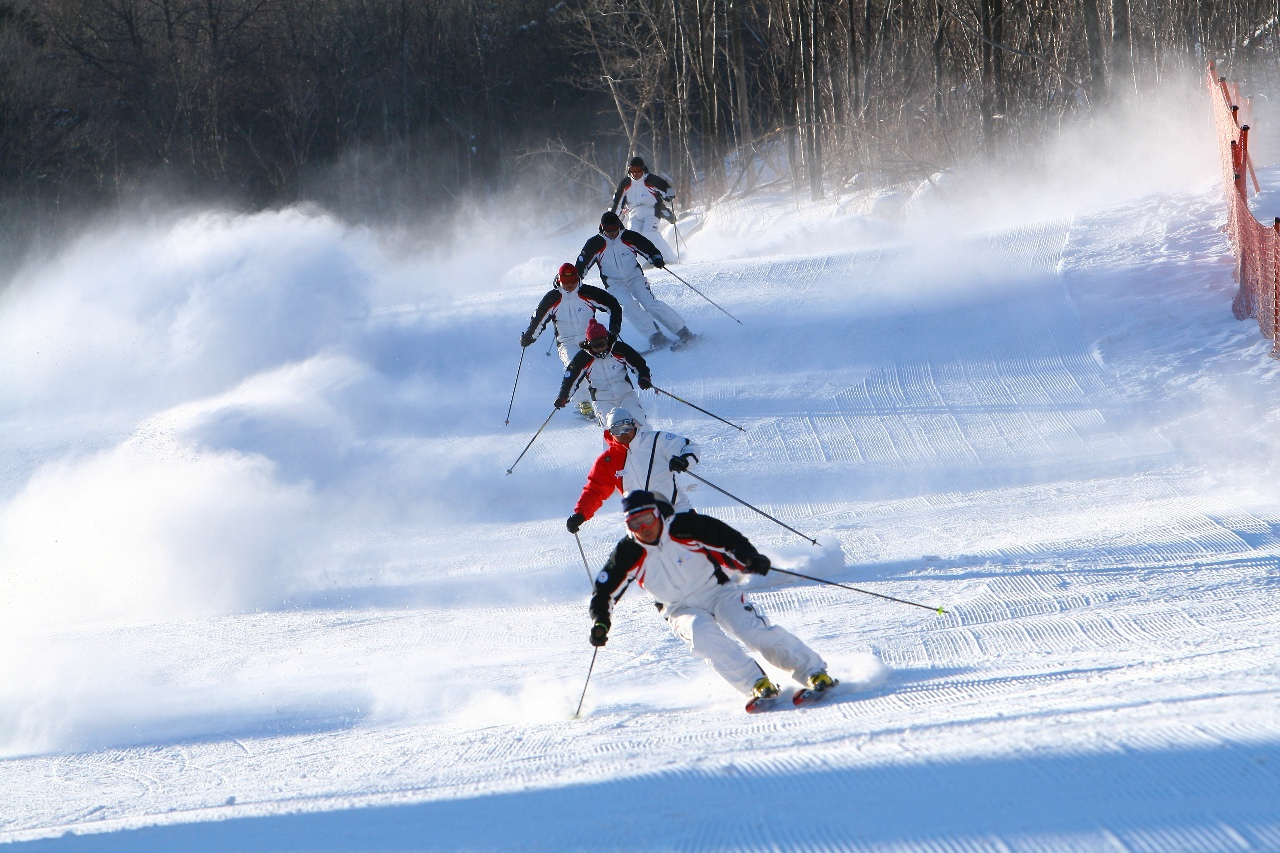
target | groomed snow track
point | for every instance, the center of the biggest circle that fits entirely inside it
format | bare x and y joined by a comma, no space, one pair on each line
1057,432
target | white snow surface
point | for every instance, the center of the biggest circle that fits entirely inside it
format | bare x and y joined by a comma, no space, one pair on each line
265,584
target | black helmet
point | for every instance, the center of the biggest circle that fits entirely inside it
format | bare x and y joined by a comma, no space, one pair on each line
610,220
636,161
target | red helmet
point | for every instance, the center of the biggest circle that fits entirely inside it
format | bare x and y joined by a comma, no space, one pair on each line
568,272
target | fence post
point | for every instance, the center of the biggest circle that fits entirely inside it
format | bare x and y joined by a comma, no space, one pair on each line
1226,94
1236,178
1241,184
1275,289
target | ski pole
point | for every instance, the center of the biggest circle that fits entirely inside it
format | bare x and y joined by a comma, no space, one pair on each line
507,422
677,230
937,610
749,506
703,295
699,408
585,564
531,441
578,713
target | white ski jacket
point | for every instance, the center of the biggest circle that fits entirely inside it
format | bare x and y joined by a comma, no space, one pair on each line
648,465
694,556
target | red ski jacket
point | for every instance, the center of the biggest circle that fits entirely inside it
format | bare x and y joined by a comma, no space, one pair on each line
604,477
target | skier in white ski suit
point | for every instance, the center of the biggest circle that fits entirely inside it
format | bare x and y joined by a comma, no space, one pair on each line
642,196
615,249
602,363
635,458
685,561
569,306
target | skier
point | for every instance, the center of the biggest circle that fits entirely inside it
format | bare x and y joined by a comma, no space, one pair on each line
684,560
635,458
569,307
603,363
645,196
615,250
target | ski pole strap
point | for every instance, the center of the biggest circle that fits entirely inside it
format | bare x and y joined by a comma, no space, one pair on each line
937,610
699,408
750,507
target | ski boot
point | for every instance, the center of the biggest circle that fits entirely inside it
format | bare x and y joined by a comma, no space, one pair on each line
820,683
657,339
584,409
766,693
686,338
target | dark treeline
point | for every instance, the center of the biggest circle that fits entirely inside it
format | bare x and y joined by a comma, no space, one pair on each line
378,106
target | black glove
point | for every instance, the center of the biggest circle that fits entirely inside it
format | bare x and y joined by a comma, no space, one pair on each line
575,522
757,565
681,463
659,262
526,338
645,382
599,634
561,402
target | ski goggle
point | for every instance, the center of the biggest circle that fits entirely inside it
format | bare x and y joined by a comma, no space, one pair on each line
636,171
624,425
611,230
641,519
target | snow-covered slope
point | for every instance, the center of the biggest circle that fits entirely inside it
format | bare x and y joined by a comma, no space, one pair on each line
266,585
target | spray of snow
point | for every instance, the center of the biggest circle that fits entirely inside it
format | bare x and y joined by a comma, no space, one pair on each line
223,414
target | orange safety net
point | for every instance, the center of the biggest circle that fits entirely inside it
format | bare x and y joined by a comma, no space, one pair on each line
1257,247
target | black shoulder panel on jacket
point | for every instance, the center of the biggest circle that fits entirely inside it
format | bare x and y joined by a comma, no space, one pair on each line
571,373
590,253
712,531
641,242
628,354
607,301
623,186
658,183
551,300
627,554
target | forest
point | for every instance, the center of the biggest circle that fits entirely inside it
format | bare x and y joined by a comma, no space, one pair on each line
380,109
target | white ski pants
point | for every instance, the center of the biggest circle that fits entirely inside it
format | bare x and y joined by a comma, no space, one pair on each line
644,220
710,625
630,401
642,308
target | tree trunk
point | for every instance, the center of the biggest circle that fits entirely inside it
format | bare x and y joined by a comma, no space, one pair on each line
1121,50
1093,41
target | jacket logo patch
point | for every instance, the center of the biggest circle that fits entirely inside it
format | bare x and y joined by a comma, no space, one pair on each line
602,577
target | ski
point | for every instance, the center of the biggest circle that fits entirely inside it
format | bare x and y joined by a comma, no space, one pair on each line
760,704
809,696
686,343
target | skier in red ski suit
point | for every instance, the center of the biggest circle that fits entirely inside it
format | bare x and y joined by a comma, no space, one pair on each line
635,458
